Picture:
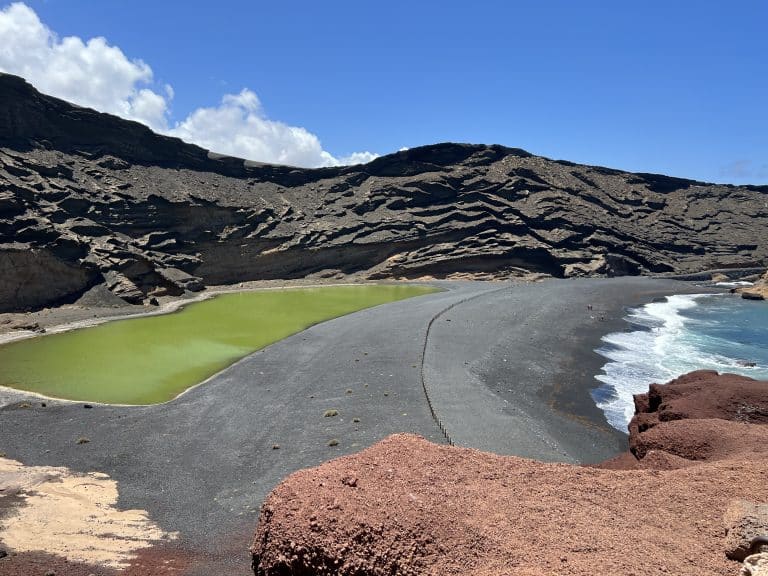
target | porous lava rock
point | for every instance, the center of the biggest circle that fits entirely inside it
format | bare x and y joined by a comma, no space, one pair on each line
421,508
701,415
702,439
407,506
744,521
704,394
91,199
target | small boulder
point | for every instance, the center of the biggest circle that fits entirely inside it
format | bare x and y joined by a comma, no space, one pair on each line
597,265
26,324
758,291
752,295
85,227
123,287
181,279
743,521
112,163
755,565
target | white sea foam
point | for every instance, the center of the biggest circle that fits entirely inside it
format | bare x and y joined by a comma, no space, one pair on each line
665,345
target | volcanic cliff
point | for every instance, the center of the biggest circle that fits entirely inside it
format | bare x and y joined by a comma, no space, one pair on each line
88,198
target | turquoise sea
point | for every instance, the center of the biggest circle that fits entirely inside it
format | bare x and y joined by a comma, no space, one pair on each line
676,335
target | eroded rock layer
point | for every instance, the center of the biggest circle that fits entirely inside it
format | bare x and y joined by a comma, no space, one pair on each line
689,506
98,199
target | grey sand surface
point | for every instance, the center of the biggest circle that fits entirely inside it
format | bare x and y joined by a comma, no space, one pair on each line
203,463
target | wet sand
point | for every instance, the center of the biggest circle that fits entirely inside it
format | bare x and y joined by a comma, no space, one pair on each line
508,367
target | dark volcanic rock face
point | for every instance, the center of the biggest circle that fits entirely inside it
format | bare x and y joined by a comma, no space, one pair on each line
112,202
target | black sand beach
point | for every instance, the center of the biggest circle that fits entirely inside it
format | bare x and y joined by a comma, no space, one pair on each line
508,366
511,371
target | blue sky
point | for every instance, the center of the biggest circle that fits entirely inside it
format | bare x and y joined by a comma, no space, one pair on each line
679,88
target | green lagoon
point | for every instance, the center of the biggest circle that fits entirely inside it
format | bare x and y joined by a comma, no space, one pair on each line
155,358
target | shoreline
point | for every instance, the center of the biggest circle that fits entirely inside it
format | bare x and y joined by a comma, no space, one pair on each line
97,305
94,309
697,330
512,372
203,464
59,319
9,394
570,398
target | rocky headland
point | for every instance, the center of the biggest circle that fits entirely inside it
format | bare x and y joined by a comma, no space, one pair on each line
88,199
758,291
686,499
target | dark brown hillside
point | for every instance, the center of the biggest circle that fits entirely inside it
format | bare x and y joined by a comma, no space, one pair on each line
88,198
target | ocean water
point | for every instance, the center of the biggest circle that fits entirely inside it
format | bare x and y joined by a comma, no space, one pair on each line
677,335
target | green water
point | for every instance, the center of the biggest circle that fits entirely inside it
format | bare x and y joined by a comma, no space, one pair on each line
153,359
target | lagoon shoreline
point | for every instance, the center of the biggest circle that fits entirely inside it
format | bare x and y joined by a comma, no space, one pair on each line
99,305
203,463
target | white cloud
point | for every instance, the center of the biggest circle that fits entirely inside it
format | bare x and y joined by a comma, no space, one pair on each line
238,127
149,107
744,169
357,158
92,73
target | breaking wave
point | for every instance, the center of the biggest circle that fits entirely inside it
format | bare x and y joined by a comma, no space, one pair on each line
677,335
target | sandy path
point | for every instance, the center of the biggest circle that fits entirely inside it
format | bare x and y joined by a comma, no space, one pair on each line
72,515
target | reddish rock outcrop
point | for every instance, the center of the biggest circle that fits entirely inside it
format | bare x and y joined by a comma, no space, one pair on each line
406,506
705,394
702,415
706,439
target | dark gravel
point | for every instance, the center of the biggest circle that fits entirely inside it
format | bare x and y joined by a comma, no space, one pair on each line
203,463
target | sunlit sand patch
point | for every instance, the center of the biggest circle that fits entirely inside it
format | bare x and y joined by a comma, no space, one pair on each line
73,515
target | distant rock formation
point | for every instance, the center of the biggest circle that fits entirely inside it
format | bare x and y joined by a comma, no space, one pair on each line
758,291
406,506
88,198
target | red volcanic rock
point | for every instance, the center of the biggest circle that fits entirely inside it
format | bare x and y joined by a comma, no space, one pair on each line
409,507
706,394
706,439
419,508
702,415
